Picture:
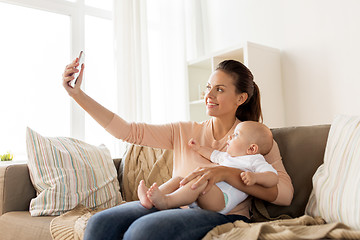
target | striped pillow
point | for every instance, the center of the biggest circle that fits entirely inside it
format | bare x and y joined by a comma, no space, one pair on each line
66,172
336,192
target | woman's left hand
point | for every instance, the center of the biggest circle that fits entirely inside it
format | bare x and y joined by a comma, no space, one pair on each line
211,175
216,174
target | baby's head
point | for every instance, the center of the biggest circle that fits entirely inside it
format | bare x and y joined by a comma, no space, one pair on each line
250,138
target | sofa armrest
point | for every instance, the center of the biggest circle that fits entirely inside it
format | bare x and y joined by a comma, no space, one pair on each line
16,189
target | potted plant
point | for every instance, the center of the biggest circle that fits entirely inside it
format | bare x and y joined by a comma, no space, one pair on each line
7,157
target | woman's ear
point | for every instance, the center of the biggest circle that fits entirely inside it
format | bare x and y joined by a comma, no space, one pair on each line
253,149
242,98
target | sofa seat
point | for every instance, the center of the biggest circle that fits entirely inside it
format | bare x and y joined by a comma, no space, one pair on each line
302,149
21,225
16,192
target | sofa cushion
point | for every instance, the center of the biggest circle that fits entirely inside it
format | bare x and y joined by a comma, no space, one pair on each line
20,225
16,190
336,193
302,150
66,172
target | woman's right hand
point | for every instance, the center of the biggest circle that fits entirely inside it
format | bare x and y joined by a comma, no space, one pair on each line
211,175
68,76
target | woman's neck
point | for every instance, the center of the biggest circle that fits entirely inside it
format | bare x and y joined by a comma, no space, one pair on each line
222,126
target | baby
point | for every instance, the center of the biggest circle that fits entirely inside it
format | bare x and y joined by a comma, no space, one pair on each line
246,147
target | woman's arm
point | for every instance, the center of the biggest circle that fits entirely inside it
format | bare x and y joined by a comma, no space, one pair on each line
158,136
231,176
281,194
265,179
284,186
102,115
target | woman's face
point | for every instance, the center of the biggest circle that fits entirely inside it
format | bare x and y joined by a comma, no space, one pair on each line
221,98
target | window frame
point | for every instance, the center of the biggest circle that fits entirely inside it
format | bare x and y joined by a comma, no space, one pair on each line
76,11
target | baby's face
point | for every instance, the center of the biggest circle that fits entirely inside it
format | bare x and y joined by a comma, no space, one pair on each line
238,142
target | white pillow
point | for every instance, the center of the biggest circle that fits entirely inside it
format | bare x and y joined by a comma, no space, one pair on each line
66,172
336,192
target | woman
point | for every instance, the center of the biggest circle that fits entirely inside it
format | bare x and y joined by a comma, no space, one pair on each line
232,96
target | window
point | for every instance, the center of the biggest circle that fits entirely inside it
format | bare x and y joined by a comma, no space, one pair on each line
33,53
103,4
36,43
100,76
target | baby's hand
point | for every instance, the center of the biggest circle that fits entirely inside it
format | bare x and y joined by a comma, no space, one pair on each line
193,144
249,178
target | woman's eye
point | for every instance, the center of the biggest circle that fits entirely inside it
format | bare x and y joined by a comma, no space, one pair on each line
220,90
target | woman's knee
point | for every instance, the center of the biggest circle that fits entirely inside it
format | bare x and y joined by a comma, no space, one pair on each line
97,224
148,227
114,221
174,223
139,230
97,220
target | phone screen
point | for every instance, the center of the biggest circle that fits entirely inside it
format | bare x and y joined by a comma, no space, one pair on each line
81,62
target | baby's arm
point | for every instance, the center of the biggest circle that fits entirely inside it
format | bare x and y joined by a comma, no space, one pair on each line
265,179
203,151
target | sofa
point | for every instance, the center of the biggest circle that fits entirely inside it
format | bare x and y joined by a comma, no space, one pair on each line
302,149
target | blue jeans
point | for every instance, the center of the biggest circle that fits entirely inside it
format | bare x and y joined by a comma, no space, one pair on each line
132,221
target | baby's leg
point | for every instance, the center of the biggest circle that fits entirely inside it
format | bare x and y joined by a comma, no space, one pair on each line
212,200
171,185
182,196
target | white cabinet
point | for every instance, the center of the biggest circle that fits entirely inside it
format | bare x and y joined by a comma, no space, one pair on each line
264,63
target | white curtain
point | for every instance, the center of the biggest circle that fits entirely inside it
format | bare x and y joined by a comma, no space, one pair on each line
131,57
196,28
150,60
167,60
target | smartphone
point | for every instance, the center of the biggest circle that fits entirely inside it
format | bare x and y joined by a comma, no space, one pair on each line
76,75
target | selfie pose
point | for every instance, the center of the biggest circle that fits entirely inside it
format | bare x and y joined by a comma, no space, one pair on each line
231,97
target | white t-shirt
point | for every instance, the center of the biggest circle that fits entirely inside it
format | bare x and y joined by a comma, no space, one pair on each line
251,163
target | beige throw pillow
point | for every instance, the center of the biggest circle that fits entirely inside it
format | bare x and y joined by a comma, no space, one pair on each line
66,172
336,192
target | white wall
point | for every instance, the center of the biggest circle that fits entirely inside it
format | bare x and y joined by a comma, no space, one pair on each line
320,44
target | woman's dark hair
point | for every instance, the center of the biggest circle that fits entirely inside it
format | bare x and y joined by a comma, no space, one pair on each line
244,82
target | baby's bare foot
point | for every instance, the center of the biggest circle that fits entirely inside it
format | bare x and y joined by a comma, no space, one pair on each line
157,197
144,200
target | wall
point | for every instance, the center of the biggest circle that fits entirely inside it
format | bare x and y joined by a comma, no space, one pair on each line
319,40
